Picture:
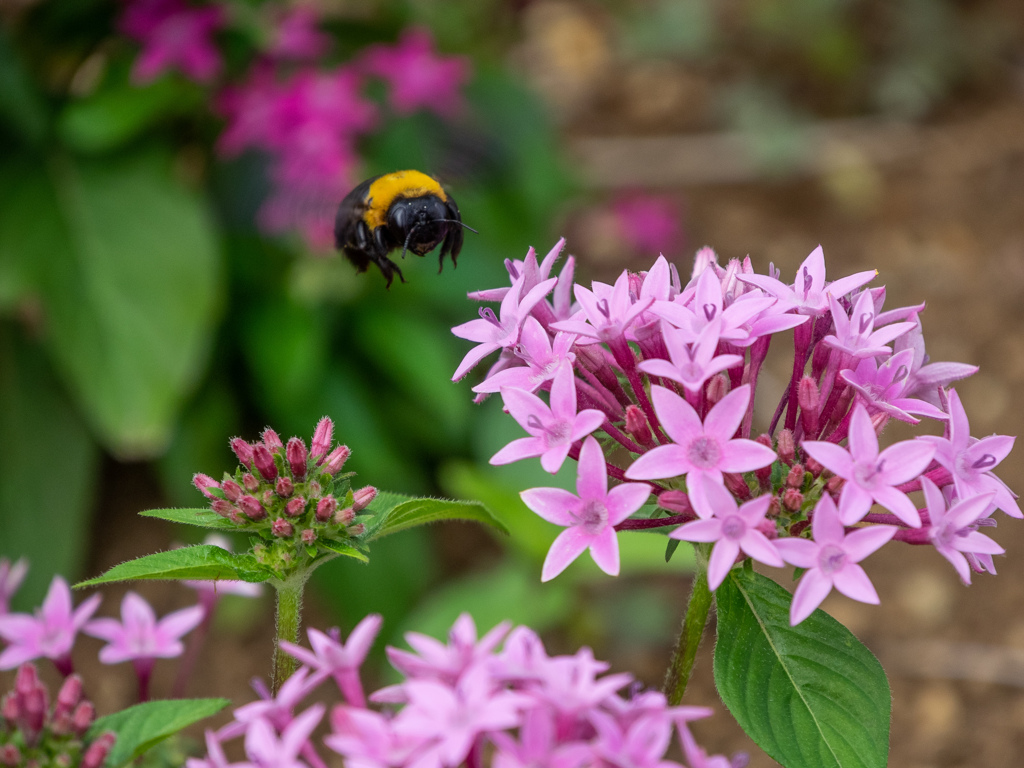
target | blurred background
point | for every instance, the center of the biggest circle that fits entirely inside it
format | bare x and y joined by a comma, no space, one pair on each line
168,180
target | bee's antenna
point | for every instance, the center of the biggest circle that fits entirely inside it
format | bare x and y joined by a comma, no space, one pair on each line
405,245
456,221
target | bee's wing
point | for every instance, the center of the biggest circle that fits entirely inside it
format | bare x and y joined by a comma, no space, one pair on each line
453,238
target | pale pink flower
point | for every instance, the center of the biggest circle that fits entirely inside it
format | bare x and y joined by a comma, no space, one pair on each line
436,660
340,660
139,635
954,531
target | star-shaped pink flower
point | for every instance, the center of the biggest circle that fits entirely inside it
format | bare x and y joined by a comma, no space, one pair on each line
590,515
173,36
340,660
954,531
706,448
139,635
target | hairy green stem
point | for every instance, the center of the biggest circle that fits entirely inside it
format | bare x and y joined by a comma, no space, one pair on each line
685,653
287,620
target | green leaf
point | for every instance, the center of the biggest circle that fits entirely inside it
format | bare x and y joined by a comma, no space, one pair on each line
811,696
204,518
394,512
203,561
341,548
142,726
22,105
130,292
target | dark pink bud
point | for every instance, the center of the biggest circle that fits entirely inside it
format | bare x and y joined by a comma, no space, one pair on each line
271,440
809,398
235,517
10,755
26,679
336,459
33,716
250,482
361,499
308,536
764,474
10,708
718,387
322,437
242,450
232,490
675,501
736,485
203,483
795,478
767,527
295,507
813,467
69,695
83,717
774,507
282,528
264,462
344,516
60,724
296,454
792,499
638,427
252,508
834,485
285,487
222,507
97,752
325,508
787,446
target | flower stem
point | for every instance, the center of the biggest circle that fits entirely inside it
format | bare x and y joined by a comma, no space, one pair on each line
685,653
287,620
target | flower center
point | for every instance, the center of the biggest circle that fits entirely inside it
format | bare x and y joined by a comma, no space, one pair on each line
865,474
704,452
593,517
733,528
831,559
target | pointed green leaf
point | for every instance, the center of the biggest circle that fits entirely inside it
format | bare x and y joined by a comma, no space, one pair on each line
341,548
204,518
203,561
393,512
811,696
142,726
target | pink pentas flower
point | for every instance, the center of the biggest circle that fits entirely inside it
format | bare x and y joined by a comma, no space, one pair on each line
926,378
542,360
417,77
537,746
139,635
265,748
831,560
295,35
732,528
698,448
215,757
640,744
649,223
173,36
607,312
590,516
872,476
436,660
571,684
11,576
340,660
50,633
971,460
553,428
252,111
856,334
883,387
810,291
693,361
366,739
954,531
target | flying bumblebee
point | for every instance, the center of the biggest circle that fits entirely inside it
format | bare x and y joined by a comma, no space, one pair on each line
405,208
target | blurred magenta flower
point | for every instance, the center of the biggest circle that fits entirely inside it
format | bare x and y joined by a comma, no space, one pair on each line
340,660
649,223
295,35
50,633
418,78
173,36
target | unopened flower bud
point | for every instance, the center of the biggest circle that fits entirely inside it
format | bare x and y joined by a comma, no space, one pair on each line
60,725
357,530
235,517
774,507
768,529
736,485
795,478
264,462
232,490
97,752
675,501
267,497
204,483
10,708
336,459
718,387
308,536
10,755
834,485
361,498
222,507
26,679
792,499
83,717
250,482
313,489
787,446
322,437
638,427
295,507
252,508
284,487
68,696
812,466
33,715
297,456
271,440
242,450
325,508
344,516
809,399
282,528
764,474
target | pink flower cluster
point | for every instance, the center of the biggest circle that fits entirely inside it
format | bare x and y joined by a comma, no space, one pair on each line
307,119
668,373
464,702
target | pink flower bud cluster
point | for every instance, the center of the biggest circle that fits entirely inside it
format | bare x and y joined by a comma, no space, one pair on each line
33,733
289,494
498,701
667,374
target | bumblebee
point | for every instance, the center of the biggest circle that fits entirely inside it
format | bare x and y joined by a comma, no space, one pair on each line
405,208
